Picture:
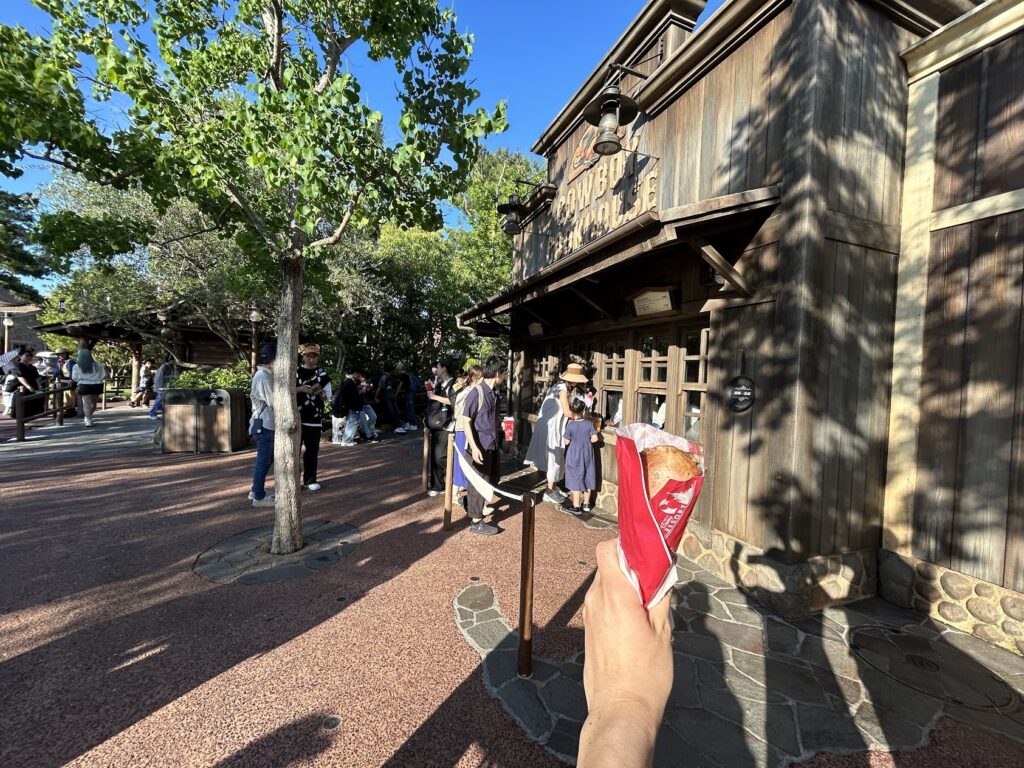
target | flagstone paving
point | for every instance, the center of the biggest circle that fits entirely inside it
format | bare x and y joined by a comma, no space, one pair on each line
751,689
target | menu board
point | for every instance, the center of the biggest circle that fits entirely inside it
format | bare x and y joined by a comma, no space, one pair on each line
652,302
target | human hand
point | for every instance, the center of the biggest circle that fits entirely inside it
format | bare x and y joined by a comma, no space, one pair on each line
627,673
477,456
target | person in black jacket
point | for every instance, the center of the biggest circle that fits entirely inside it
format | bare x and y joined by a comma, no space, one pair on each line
442,399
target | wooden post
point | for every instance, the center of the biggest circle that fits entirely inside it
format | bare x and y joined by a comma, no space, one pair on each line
19,416
524,664
426,459
103,397
449,471
58,397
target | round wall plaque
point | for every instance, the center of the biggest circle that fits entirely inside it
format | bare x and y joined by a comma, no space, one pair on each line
739,394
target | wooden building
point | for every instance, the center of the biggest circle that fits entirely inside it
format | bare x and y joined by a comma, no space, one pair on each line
751,227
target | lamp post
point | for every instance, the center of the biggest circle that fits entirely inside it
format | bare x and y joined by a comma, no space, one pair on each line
254,318
8,324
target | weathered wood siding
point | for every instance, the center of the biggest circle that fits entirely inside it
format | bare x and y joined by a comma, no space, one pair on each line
981,125
968,514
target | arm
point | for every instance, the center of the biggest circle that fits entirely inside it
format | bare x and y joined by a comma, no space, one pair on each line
472,406
628,670
593,438
563,400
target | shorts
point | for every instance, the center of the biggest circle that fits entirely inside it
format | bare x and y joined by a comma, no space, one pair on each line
90,389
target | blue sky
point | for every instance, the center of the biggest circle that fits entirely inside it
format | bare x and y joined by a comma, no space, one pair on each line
534,54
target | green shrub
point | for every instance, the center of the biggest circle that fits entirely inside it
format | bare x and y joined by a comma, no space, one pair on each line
215,378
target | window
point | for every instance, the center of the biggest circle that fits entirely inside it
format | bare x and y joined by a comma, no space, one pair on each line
653,358
541,370
693,385
652,409
611,380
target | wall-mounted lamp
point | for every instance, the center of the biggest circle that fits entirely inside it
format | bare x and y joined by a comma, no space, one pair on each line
513,213
609,111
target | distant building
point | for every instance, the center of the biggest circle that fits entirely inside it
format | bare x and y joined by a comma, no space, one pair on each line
824,197
22,317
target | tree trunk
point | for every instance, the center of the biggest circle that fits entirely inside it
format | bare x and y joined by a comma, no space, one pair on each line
136,366
288,509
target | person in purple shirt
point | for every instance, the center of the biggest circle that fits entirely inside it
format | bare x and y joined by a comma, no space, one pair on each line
481,423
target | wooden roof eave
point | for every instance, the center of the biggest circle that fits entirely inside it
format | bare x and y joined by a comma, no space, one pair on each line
672,224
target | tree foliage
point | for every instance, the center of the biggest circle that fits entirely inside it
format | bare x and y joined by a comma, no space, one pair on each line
18,257
243,107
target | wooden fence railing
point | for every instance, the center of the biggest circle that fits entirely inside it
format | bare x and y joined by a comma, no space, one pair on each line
53,406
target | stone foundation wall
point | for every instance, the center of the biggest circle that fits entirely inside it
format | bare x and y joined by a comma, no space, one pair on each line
993,613
793,591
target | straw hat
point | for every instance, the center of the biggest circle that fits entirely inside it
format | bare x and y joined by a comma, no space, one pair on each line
574,373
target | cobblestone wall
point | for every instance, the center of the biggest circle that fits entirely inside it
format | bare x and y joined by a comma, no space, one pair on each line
793,591
990,612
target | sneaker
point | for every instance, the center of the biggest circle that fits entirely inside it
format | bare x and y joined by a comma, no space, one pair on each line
251,497
484,529
314,486
553,498
563,495
343,444
411,428
399,430
586,507
266,501
375,439
432,492
574,511
88,421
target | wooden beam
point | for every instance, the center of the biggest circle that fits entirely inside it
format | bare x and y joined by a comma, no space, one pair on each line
725,269
590,301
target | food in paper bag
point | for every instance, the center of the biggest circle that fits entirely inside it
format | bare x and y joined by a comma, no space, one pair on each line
660,477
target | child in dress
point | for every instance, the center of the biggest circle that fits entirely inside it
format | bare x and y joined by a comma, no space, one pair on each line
580,437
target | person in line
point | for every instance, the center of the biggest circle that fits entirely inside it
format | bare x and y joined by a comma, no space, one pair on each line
89,375
463,387
481,424
385,399
313,388
350,404
26,381
441,397
580,476
546,451
261,424
65,367
161,381
144,392
627,669
408,386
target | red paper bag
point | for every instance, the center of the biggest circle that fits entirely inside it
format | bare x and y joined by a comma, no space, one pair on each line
650,529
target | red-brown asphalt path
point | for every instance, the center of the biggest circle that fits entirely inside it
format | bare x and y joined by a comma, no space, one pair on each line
115,654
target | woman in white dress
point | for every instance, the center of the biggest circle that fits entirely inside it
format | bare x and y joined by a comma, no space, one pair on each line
546,451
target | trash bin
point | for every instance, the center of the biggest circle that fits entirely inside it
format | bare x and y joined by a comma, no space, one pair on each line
179,432
205,420
222,421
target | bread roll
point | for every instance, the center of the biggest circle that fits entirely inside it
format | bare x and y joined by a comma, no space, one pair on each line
665,462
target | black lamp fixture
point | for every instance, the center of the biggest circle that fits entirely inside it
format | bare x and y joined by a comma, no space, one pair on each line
513,213
610,110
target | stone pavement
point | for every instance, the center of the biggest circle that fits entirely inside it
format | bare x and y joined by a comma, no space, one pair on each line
119,430
751,689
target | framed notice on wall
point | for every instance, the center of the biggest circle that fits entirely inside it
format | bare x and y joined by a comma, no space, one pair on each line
652,301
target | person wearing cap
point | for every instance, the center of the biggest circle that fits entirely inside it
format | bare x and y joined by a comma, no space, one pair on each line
313,385
546,451
261,424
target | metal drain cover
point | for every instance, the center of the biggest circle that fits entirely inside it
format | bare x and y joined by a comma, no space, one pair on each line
933,668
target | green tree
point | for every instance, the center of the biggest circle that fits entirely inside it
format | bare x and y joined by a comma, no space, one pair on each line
244,108
18,258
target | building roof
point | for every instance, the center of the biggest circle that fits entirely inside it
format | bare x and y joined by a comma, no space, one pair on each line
920,16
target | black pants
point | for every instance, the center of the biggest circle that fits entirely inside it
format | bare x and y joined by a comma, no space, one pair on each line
438,458
490,468
311,444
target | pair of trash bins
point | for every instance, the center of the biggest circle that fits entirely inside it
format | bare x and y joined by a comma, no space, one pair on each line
205,420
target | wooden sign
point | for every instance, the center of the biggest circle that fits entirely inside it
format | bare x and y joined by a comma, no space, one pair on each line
652,301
